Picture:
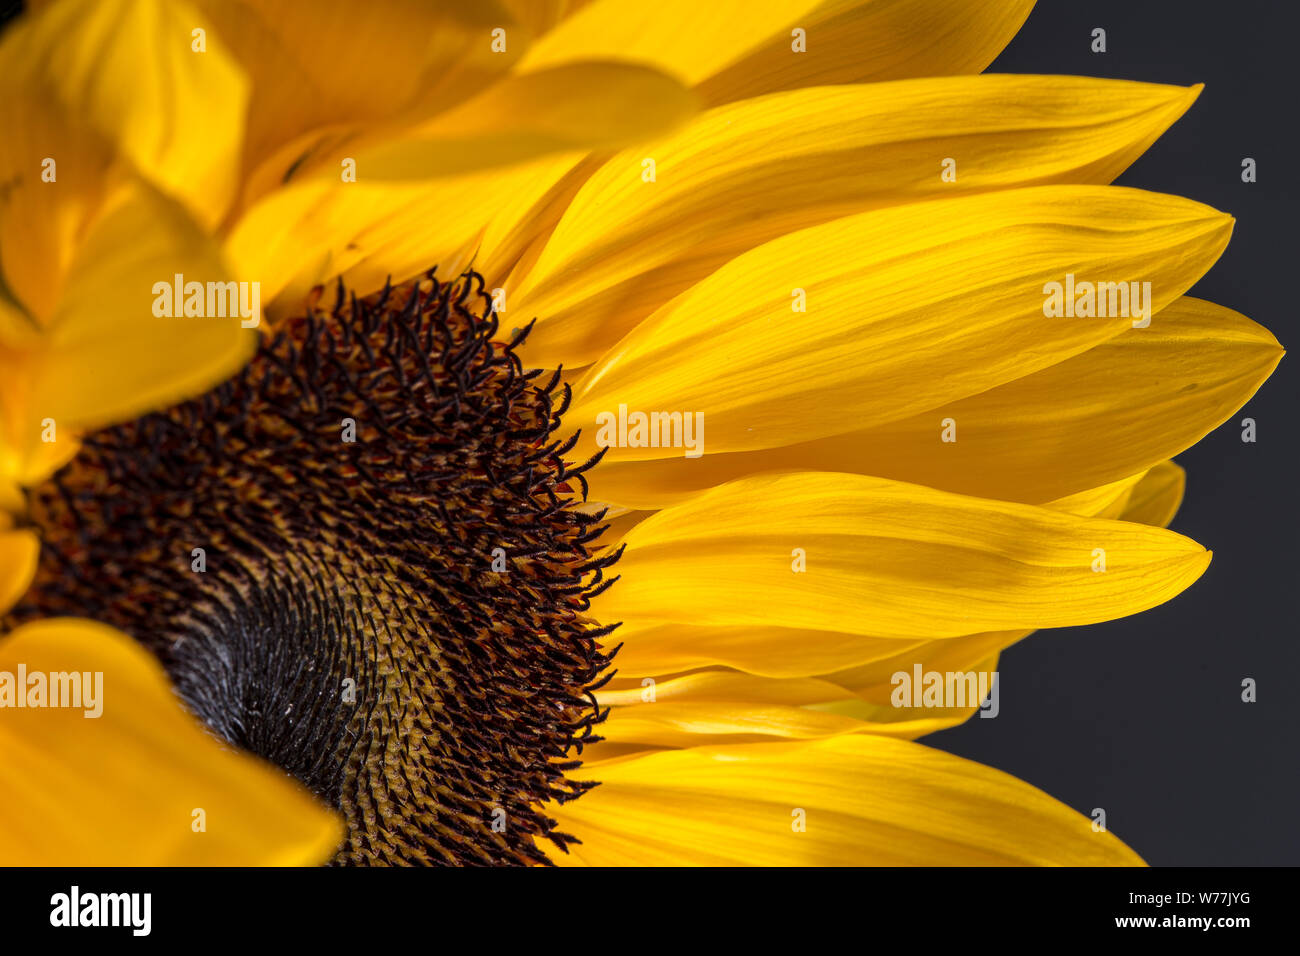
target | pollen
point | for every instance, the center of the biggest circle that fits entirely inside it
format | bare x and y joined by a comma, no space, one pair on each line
368,559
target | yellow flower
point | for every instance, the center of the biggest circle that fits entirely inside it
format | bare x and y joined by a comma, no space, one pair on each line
787,265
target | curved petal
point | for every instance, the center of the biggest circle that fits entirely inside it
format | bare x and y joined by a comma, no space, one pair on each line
684,38
126,779
577,106
721,706
125,68
907,308
742,175
334,65
40,220
539,16
861,41
886,559
1120,408
516,232
733,49
106,356
861,800
650,650
1157,497
1112,411
903,38
1104,501
368,232
718,685
425,199
695,723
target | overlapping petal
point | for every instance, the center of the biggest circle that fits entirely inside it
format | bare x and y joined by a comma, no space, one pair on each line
142,783
1111,411
576,106
424,198
739,176
907,308
330,70
125,70
733,49
105,356
1157,497
869,41
850,799
686,39
884,559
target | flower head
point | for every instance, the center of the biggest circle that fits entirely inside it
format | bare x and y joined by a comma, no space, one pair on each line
636,394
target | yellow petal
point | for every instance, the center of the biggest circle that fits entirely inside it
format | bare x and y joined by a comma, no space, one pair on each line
721,706
908,308
860,41
684,38
861,800
578,106
539,16
1114,410
517,231
40,220
1154,495
653,647
368,232
721,686
23,459
718,702
105,356
693,723
1117,409
19,552
333,65
744,174
1156,498
125,68
904,39
1104,501
126,787
653,650
886,559
383,225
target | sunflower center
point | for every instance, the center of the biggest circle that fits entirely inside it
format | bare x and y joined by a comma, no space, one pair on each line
361,558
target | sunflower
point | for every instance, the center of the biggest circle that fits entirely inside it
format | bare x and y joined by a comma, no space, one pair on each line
619,398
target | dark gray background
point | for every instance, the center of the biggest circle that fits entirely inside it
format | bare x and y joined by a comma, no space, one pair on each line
1143,716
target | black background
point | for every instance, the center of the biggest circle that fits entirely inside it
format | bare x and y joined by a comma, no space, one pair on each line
1143,717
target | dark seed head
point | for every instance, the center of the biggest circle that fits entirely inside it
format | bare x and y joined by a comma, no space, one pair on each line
390,597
